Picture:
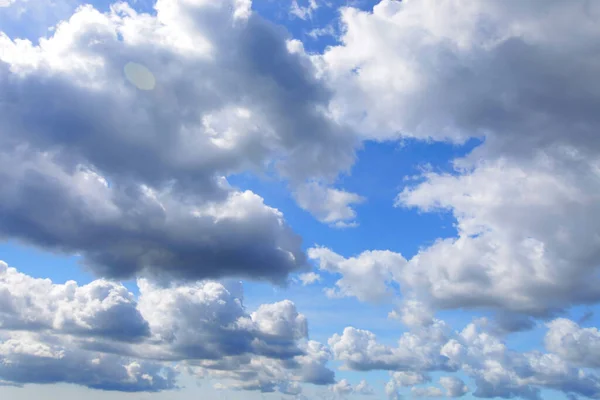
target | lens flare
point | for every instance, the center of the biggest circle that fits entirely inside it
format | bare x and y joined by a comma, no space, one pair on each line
139,76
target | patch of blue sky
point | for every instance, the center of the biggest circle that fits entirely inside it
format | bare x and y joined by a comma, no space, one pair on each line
58,267
379,175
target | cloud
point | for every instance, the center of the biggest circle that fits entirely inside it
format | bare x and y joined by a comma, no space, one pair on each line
99,309
37,358
366,277
526,200
391,391
131,179
363,388
328,30
454,386
344,388
437,78
49,331
476,351
309,278
571,342
498,371
418,350
207,320
427,392
413,313
259,373
331,206
409,378
303,12
523,244
124,231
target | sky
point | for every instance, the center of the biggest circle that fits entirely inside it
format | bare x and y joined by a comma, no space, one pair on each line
299,199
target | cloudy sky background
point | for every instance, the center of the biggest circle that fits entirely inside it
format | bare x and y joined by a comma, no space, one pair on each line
312,199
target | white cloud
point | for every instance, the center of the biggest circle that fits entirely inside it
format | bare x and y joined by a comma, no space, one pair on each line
133,344
427,392
264,374
525,201
363,388
101,308
331,206
303,12
309,278
344,388
571,342
476,351
414,313
409,378
367,277
39,358
454,386
417,350
316,33
525,242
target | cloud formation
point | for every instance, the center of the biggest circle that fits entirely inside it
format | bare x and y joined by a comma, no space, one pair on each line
125,124
345,388
525,200
477,350
49,331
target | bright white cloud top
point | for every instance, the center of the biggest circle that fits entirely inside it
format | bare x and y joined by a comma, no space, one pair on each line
133,136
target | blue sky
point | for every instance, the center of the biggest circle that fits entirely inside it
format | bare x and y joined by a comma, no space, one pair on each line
434,174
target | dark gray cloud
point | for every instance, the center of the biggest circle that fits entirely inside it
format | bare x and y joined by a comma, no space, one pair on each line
122,231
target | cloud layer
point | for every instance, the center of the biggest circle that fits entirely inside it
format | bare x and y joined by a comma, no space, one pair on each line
49,331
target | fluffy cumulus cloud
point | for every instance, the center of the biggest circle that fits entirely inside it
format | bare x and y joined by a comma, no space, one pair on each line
344,388
477,351
427,392
260,373
49,331
117,131
309,278
495,69
521,76
409,378
303,11
419,350
454,386
101,308
574,343
42,359
404,379
332,206
367,277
